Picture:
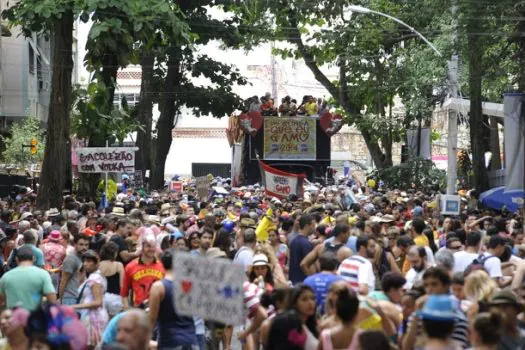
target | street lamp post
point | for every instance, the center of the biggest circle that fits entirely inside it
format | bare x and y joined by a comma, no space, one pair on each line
453,73
361,9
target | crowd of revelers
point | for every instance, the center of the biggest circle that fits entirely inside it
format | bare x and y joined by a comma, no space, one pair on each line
310,106
386,272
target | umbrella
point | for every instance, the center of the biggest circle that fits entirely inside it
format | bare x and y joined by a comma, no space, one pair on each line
497,198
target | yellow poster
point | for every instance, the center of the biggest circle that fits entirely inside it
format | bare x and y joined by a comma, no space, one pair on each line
289,138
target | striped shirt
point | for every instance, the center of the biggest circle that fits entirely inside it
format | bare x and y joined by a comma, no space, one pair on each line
251,298
357,270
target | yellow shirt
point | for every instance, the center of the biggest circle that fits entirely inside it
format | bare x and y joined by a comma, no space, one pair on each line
310,108
422,241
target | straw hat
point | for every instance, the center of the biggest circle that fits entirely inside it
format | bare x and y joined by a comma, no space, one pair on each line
52,212
119,211
165,209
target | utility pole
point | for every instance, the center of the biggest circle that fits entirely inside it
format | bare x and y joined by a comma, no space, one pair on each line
1,74
274,76
452,145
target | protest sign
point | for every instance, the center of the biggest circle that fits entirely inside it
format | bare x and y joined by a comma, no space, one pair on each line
106,160
203,186
289,138
280,184
138,179
209,288
176,186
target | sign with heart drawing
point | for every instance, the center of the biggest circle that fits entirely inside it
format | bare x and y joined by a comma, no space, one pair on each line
251,122
209,288
331,123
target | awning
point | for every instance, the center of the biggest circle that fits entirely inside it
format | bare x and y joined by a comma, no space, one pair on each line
462,106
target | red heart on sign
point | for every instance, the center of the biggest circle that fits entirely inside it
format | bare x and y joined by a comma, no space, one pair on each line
251,122
331,124
186,286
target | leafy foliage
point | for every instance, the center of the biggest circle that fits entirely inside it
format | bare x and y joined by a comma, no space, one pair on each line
416,174
40,16
21,135
91,123
377,58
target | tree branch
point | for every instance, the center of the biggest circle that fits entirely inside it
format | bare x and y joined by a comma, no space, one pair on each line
393,41
294,37
339,94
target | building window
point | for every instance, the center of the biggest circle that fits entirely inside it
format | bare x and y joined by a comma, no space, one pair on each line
131,99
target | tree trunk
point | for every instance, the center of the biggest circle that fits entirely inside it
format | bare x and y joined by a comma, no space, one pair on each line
145,115
340,93
89,181
109,76
520,10
53,176
167,116
375,151
475,57
495,162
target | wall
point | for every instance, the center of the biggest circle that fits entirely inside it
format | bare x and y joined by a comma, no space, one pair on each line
188,145
25,85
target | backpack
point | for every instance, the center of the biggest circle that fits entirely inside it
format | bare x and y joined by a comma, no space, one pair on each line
334,248
478,264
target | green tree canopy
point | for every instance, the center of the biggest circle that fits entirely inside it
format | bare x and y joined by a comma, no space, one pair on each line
21,135
377,59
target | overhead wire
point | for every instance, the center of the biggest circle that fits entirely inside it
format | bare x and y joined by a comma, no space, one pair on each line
212,25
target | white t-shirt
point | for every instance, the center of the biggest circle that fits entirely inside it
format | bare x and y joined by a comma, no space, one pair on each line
357,270
413,277
462,260
244,257
493,266
430,256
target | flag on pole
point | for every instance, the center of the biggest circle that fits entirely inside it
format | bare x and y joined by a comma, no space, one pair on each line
280,184
103,202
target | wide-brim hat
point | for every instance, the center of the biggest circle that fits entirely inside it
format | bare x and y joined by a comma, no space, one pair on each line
260,260
54,236
26,215
388,218
248,223
506,297
52,212
118,211
165,209
153,219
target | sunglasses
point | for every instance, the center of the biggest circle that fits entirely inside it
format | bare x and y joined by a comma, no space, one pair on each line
455,247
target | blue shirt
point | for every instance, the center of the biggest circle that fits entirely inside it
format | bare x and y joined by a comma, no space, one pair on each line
299,248
320,283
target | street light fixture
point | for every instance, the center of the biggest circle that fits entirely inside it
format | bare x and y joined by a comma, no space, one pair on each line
364,10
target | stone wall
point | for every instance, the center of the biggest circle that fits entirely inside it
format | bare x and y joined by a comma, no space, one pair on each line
350,140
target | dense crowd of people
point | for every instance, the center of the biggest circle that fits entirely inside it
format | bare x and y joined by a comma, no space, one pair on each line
384,272
309,106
